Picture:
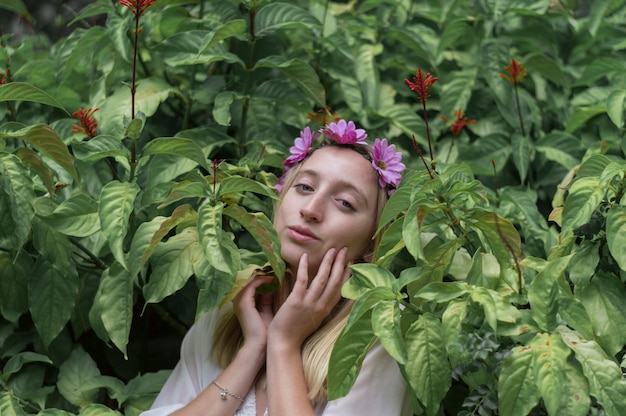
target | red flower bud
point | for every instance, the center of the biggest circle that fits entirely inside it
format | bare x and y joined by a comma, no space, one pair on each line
516,72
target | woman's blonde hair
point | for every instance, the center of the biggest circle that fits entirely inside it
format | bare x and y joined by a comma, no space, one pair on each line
317,348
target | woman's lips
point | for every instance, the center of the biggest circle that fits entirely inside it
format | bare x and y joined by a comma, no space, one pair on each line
302,234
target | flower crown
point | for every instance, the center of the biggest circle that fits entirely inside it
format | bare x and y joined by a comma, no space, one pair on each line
384,158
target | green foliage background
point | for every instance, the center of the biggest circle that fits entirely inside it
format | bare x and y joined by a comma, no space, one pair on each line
499,283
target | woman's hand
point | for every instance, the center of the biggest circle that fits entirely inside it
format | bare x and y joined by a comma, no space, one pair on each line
254,313
309,304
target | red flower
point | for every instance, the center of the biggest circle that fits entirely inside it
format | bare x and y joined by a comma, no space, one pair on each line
137,7
87,123
460,121
4,77
516,71
421,84
323,116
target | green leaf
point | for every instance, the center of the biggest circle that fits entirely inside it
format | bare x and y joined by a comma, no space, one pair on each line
74,373
43,138
550,356
96,409
604,298
21,91
14,274
517,390
76,216
454,30
575,400
172,265
9,405
100,147
543,292
237,184
386,326
195,189
31,159
51,296
229,29
116,205
412,229
217,246
616,234
561,148
443,291
597,14
367,276
604,375
116,303
178,146
615,107
141,241
428,370
522,149
455,94
301,73
214,285
582,115
263,232
221,108
17,361
585,195
17,196
544,65
276,15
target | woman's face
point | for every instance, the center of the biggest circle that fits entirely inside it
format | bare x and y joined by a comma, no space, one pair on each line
331,204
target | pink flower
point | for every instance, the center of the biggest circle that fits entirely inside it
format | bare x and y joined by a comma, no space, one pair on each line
280,183
388,163
344,133
301,147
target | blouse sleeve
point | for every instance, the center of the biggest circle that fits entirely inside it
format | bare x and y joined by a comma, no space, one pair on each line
194,370
378,390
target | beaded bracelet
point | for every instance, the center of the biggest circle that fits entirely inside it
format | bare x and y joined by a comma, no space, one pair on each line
225,392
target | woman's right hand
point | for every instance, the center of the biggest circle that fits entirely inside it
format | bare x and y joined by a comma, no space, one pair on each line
254,312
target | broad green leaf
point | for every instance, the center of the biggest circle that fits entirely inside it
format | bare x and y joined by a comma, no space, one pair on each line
616,234
178,146
214,284
278,15
21,91
582,115
575,400
367,74
52,245
386,326
299,72
495,307
348,354
221,109
77,370
550,356
597,14
43,138
561,148
215,243
455,94
594,165
427,369
452,321
412,229
51,296
390,244
494,56
238,184
14,274
229,29
263,232
454,30
443,291
9,405
172,265
397,203
585,195
100,147
367,276
546,66
17,196
116,205
76,216
33,160
599,68
543,292
96,409
517,390
116,302
187,189
140,243
484,271
606,382
522,150
94,9
604,298
16,362
615,107
583,265
184,48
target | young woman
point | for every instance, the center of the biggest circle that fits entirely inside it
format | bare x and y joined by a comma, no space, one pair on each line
271,351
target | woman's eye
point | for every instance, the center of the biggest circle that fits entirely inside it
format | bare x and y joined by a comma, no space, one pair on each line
346,204
303,187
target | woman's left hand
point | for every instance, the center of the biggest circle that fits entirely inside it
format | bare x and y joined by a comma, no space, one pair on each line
309,304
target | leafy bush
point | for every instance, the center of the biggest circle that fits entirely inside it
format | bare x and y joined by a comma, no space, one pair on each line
138,156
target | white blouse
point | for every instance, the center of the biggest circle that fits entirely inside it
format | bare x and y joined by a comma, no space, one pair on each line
378,390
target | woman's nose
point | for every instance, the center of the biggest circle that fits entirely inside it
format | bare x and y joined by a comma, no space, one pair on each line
312,210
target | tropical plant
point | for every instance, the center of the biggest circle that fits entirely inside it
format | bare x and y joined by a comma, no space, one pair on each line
138,156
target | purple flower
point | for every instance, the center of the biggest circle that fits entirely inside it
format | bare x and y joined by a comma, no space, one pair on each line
280,183
301,148
388,163
345,133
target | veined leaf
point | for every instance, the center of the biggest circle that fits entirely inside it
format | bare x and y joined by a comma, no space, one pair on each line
43,138
277,15
616,234
186,148
585,195
370,276
17,361
517,391
78,369
237,184
229,29
452,321
140,243
581,115
116,303
76,216
116,205
560,147
187,189
575,400
32,159
172,265
550,356
427,370
21,91
386,326
221,107
262,230
543,292
615,107
17,196
443,291
456,93
521,153
217,246
606,382
300,72
96,409
14,275
9,405
214,284
100,147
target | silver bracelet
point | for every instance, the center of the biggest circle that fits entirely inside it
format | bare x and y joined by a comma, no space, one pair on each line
224,392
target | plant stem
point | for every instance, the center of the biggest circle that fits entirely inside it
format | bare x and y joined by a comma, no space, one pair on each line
519,110
95,259
247,82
